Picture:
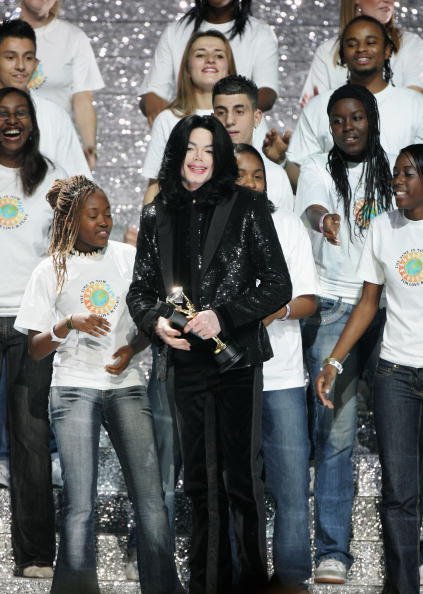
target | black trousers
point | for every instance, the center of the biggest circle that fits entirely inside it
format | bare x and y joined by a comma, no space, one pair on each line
31,494
220,424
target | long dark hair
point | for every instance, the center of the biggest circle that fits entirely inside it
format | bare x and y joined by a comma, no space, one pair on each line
225,169
242,10
33,166
387,42
376,172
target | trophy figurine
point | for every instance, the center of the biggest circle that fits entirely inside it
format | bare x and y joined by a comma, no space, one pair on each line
183,310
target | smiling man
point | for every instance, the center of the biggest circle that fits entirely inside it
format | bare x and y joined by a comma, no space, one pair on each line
58,139
365,49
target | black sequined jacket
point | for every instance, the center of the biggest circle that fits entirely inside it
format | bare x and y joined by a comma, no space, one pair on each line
240,249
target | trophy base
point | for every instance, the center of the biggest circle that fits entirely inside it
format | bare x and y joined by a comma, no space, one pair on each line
227,358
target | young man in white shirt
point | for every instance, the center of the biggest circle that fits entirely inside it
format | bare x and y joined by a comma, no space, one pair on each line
58,139
235,105
365,49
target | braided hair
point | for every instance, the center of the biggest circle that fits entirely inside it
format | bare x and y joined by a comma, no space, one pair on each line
66,197
376,171
242,11
387,42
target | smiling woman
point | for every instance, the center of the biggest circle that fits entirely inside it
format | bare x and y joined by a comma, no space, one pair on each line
85,321
25,218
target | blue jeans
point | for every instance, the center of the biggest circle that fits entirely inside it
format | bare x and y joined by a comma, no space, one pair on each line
286,452
31,494
335,430
399,430
76,416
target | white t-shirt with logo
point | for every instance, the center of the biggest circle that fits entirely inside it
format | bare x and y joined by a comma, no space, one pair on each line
336,264
24,233
67,63
393,256
401,123
285,369
326,74
255,53
95,283
58,139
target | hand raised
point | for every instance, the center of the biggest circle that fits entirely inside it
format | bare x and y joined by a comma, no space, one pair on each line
92,324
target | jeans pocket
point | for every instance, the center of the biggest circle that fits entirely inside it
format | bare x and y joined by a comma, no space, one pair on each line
385,368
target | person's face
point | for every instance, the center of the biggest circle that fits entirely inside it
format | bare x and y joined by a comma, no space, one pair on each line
207,62
197,167
39,8
382,10
408,185
15,124
17,62
349,126
250,172
95,223
237,114
364,49
220,3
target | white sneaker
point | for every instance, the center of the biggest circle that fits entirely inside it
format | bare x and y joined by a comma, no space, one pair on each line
34,571
421,574
131,567
4,474
330,571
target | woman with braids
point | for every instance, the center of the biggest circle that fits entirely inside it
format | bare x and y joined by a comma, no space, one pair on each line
253,43
25,218
339,194
74,304
327,70
393,258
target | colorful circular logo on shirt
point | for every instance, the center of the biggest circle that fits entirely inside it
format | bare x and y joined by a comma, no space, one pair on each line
410,267
99,298
12,213
364,213
38,78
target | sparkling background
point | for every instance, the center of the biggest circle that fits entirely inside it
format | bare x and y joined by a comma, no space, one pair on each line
124,34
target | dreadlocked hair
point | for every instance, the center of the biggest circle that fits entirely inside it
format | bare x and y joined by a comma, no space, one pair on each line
66,197
376,171
241,12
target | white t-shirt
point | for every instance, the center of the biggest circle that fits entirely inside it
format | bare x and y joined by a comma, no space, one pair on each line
285,369
67,63
279,189
336,264
255,53
58,139
401,123
393,256
406,65
96,283
24,234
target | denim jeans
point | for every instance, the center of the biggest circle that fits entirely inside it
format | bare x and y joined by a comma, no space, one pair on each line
286,452
31,494
76,416
399,430
4,435
334,430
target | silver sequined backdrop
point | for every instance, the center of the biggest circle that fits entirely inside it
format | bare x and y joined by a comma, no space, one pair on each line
124,34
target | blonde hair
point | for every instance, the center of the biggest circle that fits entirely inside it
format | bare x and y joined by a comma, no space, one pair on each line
184,103
348,10
66,197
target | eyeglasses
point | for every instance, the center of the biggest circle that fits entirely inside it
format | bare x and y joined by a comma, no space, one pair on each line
21,114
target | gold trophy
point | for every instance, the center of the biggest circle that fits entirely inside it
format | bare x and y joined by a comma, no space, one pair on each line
226,355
